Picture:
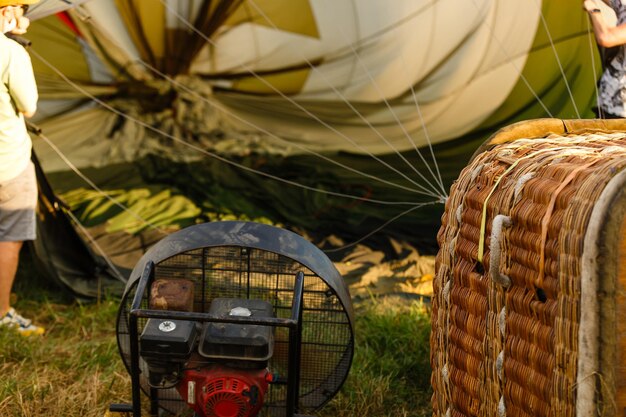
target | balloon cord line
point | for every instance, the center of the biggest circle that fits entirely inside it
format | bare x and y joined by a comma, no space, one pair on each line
208,153
107,258
95,187
400,123
98,248
304,110
593,63
426,133
375,84
558,60
137,216
378,229
515,66
109,261
317,71
421,189
225,110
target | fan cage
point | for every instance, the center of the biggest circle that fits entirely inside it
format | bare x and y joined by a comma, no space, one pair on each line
324,328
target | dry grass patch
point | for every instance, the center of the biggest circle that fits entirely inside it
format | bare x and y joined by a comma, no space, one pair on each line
74,370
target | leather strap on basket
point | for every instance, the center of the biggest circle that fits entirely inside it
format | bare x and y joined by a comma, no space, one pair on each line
483,220
545,222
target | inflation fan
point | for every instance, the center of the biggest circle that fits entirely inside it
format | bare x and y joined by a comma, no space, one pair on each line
234,319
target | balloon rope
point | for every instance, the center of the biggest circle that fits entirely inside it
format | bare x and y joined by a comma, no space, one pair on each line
109,261
376,86
96,188
593,63
208,153
426,134
422,190
98,248
517,68
414,205
359,114
304,110
558,60
378,229
262,130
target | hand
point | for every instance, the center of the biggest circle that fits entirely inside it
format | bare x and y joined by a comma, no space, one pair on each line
589,5
22,25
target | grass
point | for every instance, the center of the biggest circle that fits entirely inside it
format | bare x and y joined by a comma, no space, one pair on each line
390,375
75,369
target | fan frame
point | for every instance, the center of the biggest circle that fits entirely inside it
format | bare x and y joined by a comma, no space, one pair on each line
293,324
233,234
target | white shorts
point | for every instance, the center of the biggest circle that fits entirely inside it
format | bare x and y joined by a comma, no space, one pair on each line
18,202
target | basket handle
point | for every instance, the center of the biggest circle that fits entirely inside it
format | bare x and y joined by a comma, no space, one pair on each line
496,248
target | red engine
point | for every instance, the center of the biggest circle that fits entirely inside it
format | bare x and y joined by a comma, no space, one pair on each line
220,372
219,391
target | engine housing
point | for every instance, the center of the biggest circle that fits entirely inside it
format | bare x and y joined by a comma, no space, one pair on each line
220,391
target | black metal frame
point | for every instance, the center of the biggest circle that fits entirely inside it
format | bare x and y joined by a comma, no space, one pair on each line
293,323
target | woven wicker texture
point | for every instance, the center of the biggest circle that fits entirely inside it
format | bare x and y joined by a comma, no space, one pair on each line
506,309
621,325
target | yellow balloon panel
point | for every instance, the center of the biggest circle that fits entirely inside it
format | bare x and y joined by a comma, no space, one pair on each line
287,82
57,43
145,22
289,15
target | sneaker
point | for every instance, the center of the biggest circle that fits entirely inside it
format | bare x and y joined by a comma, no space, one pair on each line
24,326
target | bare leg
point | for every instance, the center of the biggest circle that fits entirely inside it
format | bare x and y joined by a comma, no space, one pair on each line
9,259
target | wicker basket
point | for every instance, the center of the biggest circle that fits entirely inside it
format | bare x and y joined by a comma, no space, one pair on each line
529,310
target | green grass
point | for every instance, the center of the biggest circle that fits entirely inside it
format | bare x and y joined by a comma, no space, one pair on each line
75,369
390,375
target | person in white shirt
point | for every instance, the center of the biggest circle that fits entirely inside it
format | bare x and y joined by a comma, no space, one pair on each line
18,184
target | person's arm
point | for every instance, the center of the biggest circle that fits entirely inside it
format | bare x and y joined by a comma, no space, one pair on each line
606,36
22,85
